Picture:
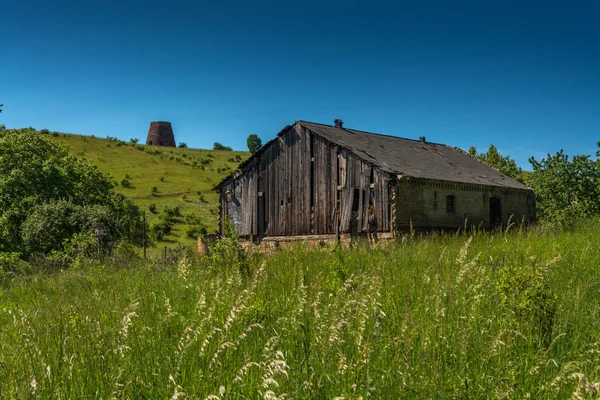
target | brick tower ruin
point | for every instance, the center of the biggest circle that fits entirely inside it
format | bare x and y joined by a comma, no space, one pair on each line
160,134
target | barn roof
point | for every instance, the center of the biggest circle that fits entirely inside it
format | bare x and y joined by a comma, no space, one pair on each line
414,158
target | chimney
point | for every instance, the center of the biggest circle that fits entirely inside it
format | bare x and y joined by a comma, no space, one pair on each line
422,139
338,123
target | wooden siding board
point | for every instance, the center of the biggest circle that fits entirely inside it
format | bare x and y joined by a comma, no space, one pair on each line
332,189
307,182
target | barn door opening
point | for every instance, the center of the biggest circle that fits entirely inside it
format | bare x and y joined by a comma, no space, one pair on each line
495,212
262,222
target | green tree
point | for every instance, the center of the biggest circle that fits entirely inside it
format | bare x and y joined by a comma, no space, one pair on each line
565,189
219,146
504,164
183,145
254,143
36,172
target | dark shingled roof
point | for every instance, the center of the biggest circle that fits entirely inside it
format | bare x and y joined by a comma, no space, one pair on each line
415,158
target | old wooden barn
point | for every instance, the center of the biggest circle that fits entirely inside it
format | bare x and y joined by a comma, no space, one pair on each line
315,179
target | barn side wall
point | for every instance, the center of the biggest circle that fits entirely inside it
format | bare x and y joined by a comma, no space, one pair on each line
425,204
302,184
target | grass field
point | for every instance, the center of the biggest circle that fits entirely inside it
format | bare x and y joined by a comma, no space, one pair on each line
180,175
487,316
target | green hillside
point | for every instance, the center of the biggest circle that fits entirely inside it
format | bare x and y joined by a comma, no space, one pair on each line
182,177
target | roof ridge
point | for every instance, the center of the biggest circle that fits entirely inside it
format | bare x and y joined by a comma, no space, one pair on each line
477,159
351,130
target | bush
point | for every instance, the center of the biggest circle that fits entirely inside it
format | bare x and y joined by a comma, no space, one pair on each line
11,263
172,211
44,131
191,218
153,190
125,183
37,174
160,228
224,169
55,225
183,145
193,231
219,146
152,208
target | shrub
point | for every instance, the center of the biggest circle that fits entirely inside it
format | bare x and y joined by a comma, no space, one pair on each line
172,211
193,231
224,169
11,263
37,174
44,131
125,183
183,145
152,208
191,218
160,228
219,146
153,190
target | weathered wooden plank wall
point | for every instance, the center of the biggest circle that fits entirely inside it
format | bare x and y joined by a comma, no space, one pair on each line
297,180
359,175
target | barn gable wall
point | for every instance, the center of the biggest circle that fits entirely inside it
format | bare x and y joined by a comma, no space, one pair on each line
303,184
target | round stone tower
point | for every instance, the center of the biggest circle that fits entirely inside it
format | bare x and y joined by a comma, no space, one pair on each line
161,134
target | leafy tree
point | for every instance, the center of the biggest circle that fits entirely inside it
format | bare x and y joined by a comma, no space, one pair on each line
565,189
49,224
1,105
219,146
36,173
183,145
493,158
254,143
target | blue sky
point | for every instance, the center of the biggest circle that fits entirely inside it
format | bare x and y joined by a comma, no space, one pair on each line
524,76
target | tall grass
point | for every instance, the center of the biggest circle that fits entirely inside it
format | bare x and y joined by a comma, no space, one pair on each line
503,316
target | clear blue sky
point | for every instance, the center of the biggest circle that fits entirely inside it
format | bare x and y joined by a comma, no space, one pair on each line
524,76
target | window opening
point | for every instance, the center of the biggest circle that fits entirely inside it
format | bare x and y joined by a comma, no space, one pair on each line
450,204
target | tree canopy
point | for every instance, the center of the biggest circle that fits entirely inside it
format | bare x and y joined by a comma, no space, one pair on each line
504,164
41,181
254,143
219,146
565,189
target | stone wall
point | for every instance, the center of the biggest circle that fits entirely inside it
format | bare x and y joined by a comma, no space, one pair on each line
425,203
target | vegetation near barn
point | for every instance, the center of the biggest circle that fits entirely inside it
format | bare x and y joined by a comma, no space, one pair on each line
504,315
181,177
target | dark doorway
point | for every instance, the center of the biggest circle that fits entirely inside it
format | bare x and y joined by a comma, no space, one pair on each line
495,212
262,223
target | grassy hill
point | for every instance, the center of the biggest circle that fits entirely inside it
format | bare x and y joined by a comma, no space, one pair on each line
183,177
